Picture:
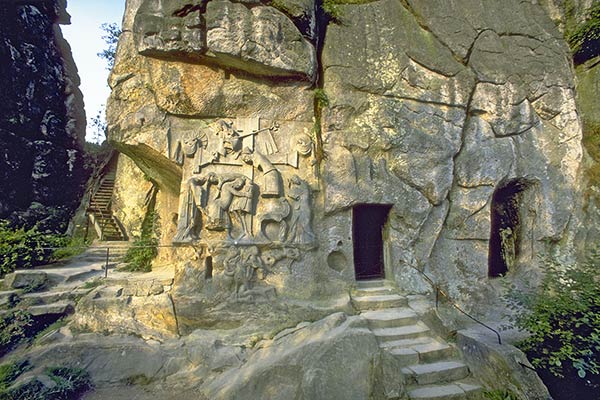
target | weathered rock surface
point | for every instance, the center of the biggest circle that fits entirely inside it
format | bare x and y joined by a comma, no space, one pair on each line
260,40
42,121
424,108
25,279
334,358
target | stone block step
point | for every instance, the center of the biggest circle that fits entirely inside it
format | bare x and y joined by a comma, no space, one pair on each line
371,283
60,308
452,391
406,342
379,302
442,371
402,332
374,291
49,297
390,317
433,351
422,353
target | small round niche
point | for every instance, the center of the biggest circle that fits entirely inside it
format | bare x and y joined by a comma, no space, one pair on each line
336,260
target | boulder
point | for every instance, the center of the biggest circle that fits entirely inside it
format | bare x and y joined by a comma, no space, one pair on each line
29,280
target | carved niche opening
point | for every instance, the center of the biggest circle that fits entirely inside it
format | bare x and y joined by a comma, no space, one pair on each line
513,214
208,267
368,223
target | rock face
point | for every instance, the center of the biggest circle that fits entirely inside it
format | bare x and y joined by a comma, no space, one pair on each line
442,137
42,122
334,358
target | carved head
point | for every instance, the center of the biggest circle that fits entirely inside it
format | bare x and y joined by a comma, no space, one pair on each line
239,183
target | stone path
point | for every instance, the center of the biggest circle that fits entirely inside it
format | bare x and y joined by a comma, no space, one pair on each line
433,367
65,281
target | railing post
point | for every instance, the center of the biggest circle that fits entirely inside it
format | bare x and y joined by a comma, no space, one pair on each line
106,265
437,296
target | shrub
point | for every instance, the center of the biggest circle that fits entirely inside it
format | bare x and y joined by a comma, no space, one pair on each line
14,327
70,384
144,249
26,248
139,257
584,39
500,395
11,371
563,318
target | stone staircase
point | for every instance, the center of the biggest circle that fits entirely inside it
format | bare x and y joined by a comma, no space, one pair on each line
97,251
433,368
100,207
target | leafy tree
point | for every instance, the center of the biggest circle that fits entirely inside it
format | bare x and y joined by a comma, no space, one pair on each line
111,38
563,318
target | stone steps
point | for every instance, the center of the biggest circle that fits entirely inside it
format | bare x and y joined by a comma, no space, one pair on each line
364,303
49,297
401,332
436,372
431,369
451,391
422,352
391,317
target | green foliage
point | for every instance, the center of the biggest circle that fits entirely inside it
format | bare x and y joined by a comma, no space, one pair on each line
26,248
591,142
70,384
139,256
111,38
11,371
321,99
563,318
75,246
50,328
14,328
500,395
584,39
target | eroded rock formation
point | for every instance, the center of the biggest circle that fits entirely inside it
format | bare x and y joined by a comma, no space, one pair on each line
263,125
42,121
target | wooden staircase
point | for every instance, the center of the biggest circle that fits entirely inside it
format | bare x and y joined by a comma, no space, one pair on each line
100,211
432,367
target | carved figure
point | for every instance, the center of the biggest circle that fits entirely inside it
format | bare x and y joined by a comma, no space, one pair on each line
192,200
230,141
216,216
271,177
238,189
300,223
242,207
242,267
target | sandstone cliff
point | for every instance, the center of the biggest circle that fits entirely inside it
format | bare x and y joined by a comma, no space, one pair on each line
424,107
42,121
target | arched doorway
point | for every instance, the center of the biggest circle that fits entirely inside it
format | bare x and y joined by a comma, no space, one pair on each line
510,224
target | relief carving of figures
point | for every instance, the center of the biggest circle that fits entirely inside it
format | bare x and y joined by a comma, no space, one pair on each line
230,195
242,267
300,230
271,178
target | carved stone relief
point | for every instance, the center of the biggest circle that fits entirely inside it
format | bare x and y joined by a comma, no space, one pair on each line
242,177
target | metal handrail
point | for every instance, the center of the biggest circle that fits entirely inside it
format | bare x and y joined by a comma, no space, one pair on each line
439,291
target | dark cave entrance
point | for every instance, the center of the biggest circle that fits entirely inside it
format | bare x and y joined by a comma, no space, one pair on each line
368,221
511,225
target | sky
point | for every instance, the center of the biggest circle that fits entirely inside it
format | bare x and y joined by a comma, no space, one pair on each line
85,37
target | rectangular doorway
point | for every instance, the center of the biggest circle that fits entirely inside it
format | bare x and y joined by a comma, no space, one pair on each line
368,221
